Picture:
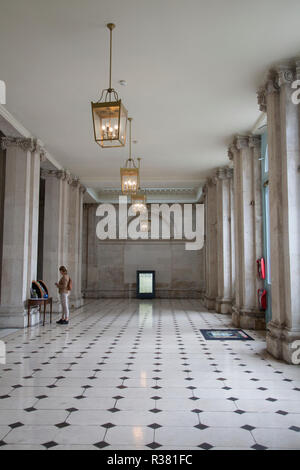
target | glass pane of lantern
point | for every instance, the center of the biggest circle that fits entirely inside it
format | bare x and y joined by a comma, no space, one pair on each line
144,225
129,180
109,123
138,202
123,124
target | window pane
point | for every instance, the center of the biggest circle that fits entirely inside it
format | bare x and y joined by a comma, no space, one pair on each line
267,234
266,160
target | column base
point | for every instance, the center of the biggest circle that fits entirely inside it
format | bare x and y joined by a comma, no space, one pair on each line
248,319
75,302
223,305
210,302
283,343
18,318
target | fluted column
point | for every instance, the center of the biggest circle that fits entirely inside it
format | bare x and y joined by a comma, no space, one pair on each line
232,239
75,240
224,241
284,190
20,229
53,230
63,233
211,247
248,231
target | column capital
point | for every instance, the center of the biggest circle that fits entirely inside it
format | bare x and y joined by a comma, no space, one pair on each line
40,149
241,141
278,76
59,174
230,151
71,179
211,181
224,173
24,143
75,182
262,99
254,141
82,188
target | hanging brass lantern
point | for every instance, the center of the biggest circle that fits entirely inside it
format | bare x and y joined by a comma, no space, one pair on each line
109,113
138,202
145,225
130,178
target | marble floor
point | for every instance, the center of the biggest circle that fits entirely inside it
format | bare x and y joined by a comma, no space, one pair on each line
139,375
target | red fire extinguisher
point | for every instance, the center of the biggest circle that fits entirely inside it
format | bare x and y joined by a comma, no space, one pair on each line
261,270
262,299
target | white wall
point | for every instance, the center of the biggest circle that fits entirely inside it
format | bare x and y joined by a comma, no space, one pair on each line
109,266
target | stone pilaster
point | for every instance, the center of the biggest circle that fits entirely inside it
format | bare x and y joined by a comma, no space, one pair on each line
224,240
211,246
20,229
284,184
248,231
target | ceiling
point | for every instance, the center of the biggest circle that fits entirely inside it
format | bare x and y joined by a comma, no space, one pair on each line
192,70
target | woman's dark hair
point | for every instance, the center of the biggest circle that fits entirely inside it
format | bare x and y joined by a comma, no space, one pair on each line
63,269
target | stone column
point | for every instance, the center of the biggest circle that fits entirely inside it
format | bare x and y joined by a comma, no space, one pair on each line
79,294
53,233
20,230
75,239
224,298
284,182
248,231
232,239
211,247
34,195
63,233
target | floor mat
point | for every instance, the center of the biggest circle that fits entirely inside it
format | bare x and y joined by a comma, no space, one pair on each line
225,335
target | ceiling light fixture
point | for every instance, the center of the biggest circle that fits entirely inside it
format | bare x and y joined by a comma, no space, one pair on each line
109,113
130,174
138,200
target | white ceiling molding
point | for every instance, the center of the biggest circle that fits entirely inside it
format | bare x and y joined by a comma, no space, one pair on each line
154,195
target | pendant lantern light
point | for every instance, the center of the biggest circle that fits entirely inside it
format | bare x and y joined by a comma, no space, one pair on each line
130,174
109,114
138,200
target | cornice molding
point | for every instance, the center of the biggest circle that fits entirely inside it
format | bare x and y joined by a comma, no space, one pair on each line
115,191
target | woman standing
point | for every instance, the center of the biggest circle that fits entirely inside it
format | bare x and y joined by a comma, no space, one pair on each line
64,288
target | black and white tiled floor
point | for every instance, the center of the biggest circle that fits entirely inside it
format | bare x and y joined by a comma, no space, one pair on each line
139,375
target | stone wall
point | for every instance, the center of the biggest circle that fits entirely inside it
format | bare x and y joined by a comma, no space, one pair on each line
109,266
